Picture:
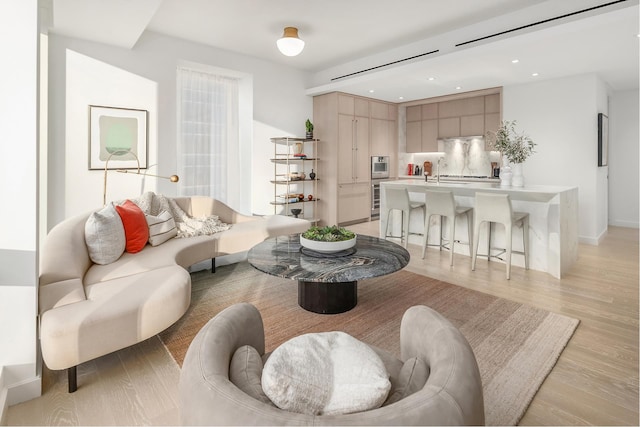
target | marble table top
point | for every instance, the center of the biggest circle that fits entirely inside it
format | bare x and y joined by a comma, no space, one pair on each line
373,257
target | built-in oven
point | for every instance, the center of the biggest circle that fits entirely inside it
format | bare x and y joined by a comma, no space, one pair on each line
379,167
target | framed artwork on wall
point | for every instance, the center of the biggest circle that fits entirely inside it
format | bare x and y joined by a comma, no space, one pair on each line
603,139
118,136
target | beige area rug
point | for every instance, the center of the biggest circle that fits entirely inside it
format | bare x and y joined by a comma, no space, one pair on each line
516,345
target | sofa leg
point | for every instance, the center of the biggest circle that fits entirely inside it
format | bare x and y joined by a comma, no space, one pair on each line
72,376
213,265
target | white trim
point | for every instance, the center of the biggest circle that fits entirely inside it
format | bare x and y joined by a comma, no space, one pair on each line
25,390
3,399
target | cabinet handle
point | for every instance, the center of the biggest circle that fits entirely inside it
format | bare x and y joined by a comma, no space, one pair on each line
355,154
354,135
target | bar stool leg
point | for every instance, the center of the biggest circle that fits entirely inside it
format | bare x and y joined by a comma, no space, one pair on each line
405,229
452,236
385,226
508,232
476,239
525,240
425,239
470,228
489,241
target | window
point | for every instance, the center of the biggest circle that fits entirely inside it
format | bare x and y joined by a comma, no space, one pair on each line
208,134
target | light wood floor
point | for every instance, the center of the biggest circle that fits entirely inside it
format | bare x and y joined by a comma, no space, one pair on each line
595,381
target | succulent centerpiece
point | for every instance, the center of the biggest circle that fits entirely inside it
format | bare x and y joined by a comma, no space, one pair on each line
328,239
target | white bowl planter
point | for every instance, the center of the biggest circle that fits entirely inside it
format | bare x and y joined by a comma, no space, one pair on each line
327,247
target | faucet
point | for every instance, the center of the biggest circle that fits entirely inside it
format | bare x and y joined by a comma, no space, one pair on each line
438,169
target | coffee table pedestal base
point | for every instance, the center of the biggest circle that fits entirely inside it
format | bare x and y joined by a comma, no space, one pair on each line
327,298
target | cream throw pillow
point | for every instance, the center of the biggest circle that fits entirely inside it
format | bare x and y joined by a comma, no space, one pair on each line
104,235
413,376
325,374
245,372
161,228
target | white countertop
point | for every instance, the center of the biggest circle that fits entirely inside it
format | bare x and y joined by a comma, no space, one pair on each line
541,193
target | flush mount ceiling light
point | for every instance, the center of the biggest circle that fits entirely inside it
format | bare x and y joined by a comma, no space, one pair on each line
290,44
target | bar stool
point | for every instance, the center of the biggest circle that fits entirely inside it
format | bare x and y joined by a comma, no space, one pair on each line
492,207
398,199
443,204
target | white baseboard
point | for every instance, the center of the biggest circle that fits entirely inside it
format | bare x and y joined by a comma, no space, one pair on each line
16,393
24,390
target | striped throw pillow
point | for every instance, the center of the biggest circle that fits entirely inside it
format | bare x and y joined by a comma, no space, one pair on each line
161,228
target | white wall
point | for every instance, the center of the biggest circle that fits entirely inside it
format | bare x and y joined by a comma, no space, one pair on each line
19,193
560,115
280,108
623,159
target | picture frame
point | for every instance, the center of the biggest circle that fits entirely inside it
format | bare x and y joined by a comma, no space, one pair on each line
118,138
603,140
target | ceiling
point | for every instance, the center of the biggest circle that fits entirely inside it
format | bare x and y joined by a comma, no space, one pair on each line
345,37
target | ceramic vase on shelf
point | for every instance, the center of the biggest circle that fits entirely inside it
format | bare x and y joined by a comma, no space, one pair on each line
518,179
505,173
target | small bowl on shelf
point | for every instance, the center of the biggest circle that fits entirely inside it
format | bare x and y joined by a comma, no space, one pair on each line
296,212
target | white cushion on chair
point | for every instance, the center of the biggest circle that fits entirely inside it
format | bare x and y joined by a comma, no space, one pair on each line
325,373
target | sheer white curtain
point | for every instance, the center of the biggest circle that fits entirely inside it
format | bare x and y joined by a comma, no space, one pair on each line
208,132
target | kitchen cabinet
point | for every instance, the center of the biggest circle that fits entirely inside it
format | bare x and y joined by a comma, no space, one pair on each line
353,149
491,113
382,132
354,203
352,129
449,127
422,129
472,125
462,117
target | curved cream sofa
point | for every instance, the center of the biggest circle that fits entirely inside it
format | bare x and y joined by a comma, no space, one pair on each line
89,310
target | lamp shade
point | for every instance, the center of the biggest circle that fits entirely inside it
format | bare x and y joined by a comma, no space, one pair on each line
290,44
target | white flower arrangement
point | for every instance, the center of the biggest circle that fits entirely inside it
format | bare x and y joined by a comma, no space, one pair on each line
516,147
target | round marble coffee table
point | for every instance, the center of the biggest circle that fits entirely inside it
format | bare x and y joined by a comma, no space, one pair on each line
328,283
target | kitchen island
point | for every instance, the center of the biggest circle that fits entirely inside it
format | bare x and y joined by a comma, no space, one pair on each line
553,221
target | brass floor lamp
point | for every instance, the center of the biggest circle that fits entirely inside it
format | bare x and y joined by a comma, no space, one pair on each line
172,178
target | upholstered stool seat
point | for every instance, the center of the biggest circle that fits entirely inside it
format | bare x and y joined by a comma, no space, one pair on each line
496,208
398,199
443,204
451,395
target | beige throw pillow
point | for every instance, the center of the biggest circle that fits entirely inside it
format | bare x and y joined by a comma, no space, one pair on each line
325,373
245,372
413,376
161,228
104,235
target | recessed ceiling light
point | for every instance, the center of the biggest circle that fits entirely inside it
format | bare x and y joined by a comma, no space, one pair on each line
431,79
534,74
371,90
515,61
458,87
401,97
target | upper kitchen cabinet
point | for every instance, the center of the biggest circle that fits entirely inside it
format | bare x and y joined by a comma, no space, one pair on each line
352,130
422,128
492,113
451,118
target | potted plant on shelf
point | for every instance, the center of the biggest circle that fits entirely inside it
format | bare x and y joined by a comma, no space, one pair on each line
515,148
309,127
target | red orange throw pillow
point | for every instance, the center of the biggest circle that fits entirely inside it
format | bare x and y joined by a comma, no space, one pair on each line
136,230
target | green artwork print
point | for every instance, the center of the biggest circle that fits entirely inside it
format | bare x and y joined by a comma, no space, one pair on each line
117,134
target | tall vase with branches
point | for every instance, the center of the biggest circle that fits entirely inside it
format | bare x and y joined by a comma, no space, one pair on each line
515,148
